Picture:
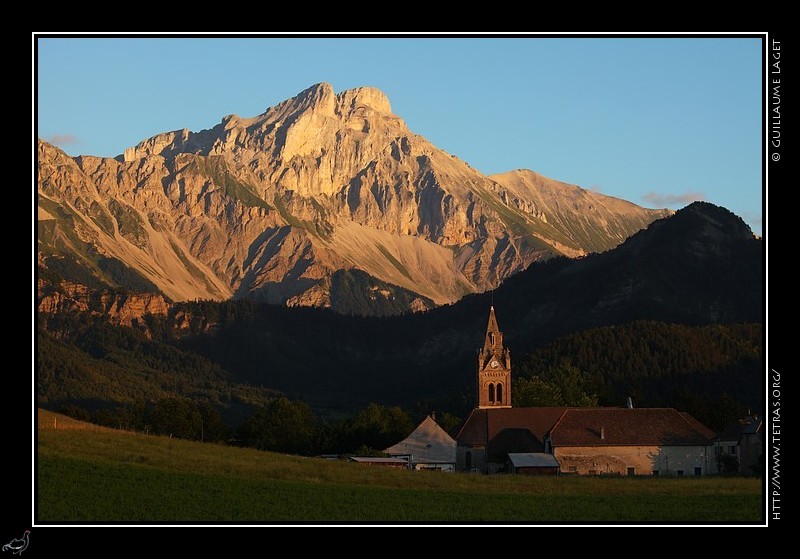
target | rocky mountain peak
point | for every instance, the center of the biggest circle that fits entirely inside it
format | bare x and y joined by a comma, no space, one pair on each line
273,205
351,99
319,98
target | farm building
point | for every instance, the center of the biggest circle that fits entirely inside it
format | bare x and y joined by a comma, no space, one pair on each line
645,441
428,447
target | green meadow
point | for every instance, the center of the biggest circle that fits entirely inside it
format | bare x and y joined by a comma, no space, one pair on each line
96,475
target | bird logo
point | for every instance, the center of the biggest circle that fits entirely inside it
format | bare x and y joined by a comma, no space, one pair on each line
17,546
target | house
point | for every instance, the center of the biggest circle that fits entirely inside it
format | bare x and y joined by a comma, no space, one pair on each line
623,441
740,447
532,463
428,447
619,441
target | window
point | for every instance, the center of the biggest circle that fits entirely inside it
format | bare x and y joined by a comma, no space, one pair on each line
491,393
499,393
732,449
631,471
680,472
655,472
698,471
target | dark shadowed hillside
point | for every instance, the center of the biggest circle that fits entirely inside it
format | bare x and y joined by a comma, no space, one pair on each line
702,266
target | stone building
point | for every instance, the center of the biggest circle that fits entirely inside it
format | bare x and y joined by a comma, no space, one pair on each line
583,441
623,441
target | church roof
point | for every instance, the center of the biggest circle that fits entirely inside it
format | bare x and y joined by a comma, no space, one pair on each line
624,426
428,443
482,425
506,430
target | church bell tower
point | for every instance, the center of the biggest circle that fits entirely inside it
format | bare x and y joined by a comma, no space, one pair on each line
494,369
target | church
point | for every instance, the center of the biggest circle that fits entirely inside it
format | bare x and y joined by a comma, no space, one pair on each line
496,437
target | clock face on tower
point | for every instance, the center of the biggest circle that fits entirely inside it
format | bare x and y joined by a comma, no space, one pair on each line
494,364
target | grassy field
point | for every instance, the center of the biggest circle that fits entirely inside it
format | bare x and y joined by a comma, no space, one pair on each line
91,474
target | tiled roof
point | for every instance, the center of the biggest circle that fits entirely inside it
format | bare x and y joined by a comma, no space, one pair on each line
623,426
706,432
483,425
506,430
538,421
471,431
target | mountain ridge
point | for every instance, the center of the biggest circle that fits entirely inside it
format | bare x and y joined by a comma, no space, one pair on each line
270,207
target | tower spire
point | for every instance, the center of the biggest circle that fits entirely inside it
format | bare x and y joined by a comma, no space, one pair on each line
494,337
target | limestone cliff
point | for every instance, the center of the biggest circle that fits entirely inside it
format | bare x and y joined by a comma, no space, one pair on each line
271,206
123,309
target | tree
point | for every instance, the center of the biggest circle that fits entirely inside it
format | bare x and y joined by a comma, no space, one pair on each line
535,392
213,427
376,427
565,385
571,381
447,421
282,426
176,417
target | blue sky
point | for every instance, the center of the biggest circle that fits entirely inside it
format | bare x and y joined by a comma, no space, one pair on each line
657,121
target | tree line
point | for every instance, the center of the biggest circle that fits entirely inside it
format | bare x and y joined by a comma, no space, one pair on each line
240,355
281,425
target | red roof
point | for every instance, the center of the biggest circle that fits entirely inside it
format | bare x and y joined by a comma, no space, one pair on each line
623,426
506,430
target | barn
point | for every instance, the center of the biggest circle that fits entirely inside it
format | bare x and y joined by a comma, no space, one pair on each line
428,447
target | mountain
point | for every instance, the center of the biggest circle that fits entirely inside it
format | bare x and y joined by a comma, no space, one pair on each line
272,207
701,266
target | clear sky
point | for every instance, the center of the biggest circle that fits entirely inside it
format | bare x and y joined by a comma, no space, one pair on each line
657,121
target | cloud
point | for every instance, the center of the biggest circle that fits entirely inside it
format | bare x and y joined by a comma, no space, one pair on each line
62,139
666,200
